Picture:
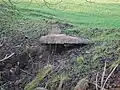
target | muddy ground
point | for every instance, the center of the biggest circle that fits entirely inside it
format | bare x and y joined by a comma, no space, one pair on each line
28,56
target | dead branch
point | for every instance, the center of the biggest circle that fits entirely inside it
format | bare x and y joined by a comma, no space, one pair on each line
102,78
103,75
47,3
99,87
109,76
7,57
60,85
26,72
1,45
96,82
52,3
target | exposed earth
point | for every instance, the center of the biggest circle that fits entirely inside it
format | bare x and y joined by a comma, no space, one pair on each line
25,57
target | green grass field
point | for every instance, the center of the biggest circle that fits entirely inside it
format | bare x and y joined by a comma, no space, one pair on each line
102,14
78,12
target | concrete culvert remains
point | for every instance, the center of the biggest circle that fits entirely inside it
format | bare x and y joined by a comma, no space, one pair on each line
62,42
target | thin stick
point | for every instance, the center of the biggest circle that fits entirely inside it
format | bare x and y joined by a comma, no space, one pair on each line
1,45
96,82
52,3
97,85
7,57
109,76
26,72
102,79
60,85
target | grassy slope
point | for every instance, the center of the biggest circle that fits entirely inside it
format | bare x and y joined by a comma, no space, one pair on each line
83,16
79,13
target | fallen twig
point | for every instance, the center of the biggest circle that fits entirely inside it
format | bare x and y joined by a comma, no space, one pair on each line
7,57
26,72
99,87
102,79
103,75
96,82
109,76
1,45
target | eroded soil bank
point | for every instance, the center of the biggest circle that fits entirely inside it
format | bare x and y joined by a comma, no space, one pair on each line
22,57
76,63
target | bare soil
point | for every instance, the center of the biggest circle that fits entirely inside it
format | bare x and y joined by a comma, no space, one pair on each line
29,56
